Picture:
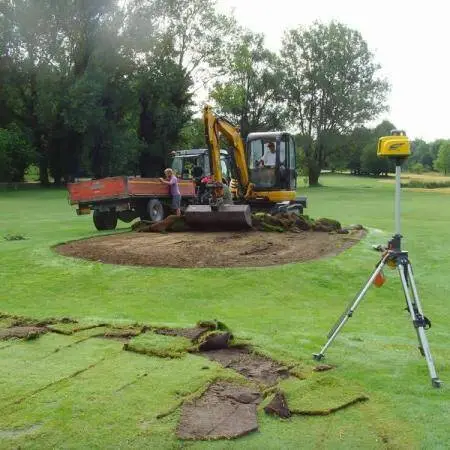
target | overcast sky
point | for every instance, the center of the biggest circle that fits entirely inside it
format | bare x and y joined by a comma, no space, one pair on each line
410,41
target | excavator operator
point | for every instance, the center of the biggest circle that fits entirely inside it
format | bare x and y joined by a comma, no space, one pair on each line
270,157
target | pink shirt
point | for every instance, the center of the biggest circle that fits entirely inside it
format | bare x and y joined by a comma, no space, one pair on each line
173,183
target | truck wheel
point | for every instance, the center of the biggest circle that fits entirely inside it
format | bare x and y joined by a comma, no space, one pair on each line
155,210
105,220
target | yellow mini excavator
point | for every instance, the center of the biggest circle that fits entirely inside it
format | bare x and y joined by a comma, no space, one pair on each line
264,178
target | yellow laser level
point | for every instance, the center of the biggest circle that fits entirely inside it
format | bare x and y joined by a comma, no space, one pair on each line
395,146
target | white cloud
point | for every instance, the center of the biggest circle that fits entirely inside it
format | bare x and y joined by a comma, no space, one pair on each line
409,41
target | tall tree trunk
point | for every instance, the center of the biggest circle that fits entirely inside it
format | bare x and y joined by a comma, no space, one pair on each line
43,169
313,175
42,144
313,163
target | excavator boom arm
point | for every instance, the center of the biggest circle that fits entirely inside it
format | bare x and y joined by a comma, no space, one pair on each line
215,125
212,141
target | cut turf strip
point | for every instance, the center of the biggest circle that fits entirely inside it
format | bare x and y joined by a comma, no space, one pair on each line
224,410
278,406
190,333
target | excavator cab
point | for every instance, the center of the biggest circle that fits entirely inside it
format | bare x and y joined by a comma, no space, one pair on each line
271,162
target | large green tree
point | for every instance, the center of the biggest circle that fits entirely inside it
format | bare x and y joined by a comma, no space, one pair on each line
251,94
420,154
371,164
26,49
356,141
97,87
192,135
442,162
16,154
183,56
331,84
165,101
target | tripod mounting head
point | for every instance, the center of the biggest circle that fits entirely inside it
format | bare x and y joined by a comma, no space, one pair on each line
396,146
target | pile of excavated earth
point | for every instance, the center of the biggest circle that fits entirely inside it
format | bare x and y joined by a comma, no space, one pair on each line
226,408
280,222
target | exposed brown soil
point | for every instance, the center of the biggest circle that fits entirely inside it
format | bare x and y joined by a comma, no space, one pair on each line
218,249
224,411
250,365
22,332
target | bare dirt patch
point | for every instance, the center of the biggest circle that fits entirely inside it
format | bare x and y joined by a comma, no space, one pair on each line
252,366
224,411
220,249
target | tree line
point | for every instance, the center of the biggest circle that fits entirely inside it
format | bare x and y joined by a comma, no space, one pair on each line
356,152
101,87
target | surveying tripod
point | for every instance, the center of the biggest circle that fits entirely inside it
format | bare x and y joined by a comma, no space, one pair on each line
394,256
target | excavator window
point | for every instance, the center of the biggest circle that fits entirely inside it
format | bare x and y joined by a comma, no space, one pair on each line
267,171
262,176
292,163
256,153
283,151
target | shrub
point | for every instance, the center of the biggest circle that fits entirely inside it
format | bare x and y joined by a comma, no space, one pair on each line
426,184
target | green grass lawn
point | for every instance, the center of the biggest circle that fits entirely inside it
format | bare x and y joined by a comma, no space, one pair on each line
286,312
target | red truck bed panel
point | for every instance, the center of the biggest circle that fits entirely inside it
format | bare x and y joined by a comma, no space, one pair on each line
115,188
95,190
153,187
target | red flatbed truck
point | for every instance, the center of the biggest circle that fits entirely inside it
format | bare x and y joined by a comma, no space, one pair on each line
126,198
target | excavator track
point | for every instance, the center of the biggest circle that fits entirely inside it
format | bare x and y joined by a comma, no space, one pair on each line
226,217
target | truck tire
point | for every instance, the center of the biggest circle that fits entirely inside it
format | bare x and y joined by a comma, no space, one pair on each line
155,210
105,220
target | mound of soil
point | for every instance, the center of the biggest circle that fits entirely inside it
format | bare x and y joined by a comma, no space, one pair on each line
224,411
219,249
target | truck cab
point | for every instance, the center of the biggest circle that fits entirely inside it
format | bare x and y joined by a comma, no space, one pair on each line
194,164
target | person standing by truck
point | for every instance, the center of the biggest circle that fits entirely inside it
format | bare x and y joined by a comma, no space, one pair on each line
172,181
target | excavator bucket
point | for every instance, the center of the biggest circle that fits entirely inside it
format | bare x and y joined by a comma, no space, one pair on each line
227,217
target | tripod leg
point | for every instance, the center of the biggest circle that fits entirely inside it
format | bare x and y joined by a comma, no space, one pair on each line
415,310
349,311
